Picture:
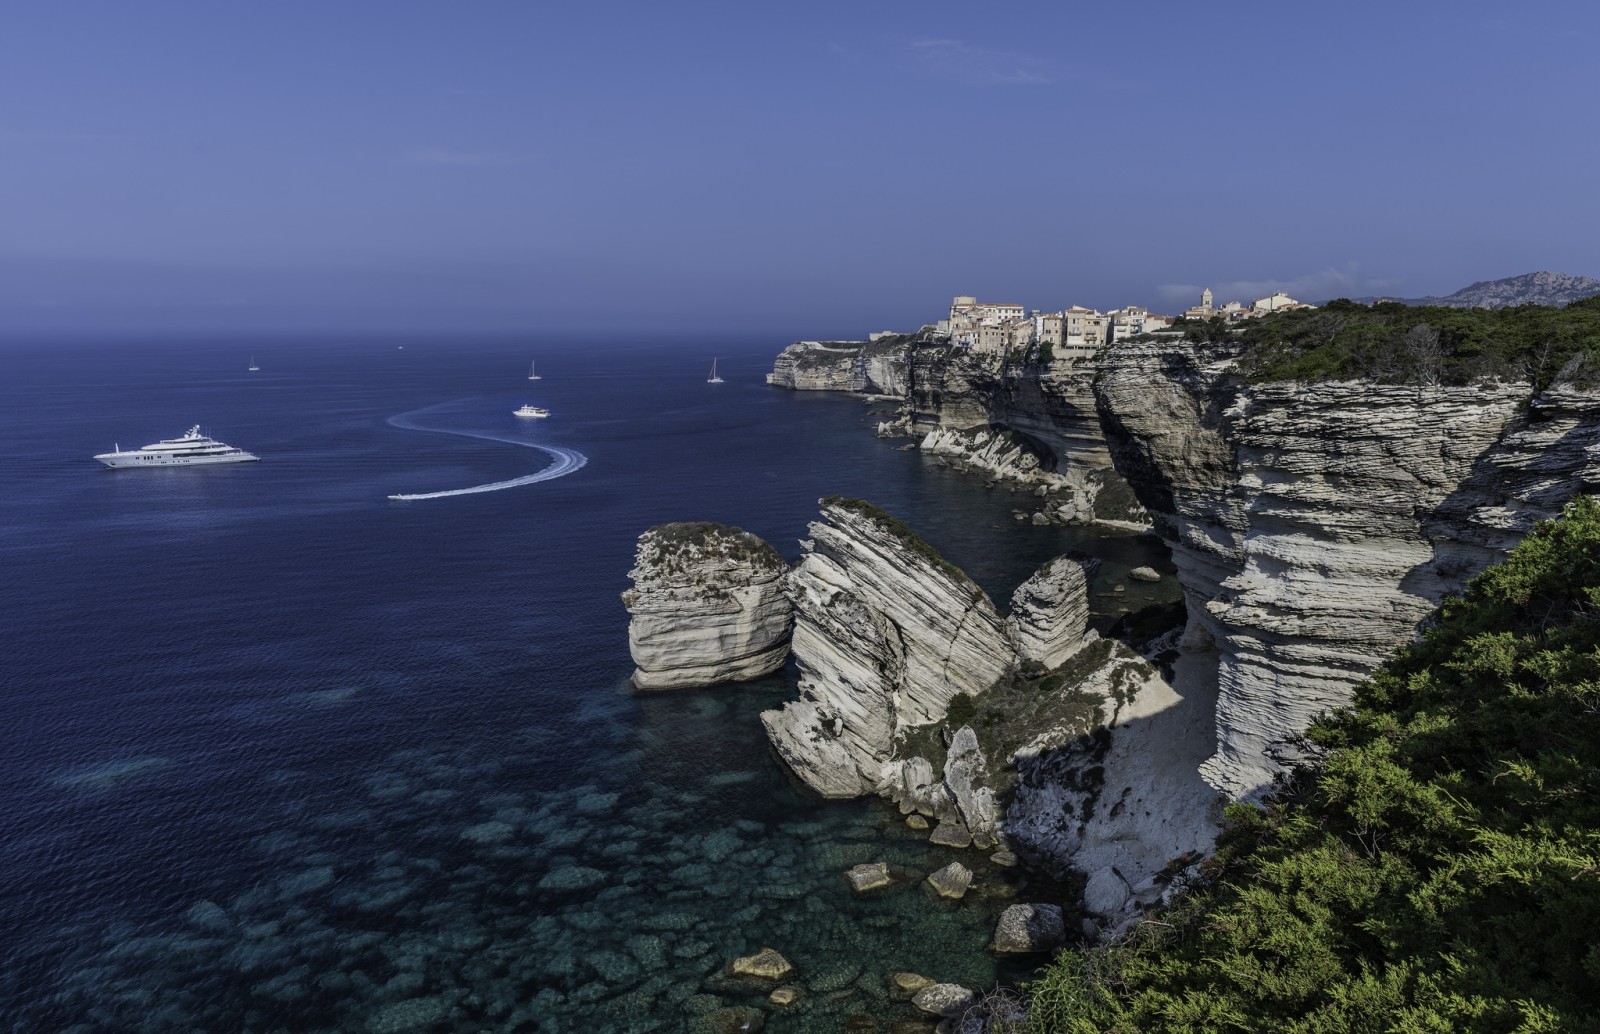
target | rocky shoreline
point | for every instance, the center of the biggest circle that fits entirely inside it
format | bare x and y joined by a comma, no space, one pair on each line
1313,527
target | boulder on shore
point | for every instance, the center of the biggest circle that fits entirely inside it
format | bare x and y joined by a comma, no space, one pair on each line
707,606
1024,929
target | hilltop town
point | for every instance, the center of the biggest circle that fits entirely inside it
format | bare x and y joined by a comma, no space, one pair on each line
1077,332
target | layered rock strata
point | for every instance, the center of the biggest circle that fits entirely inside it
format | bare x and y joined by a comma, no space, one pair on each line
1048,406
1049,615
886,633
707,606
1313,526
869,368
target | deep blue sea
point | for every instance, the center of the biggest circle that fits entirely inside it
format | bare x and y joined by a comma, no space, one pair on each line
280,754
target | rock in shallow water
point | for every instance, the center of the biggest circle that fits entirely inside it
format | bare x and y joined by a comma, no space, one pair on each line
766,964
952,881
707,606
868,877
944,1000
1028,928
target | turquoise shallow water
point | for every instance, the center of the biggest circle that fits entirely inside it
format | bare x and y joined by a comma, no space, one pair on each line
285,755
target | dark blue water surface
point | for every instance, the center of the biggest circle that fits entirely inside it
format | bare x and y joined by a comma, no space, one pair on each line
281,754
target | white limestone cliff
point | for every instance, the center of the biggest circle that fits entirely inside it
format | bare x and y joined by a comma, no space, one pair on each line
1314,526
707,606
886,634
1049,615
869,368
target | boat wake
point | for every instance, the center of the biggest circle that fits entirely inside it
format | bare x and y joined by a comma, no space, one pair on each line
565,460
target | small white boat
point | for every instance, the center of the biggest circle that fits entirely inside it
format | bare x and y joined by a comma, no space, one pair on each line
713,379
253,367
532,376
538,412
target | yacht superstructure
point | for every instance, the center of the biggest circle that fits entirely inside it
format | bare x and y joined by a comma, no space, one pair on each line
191,449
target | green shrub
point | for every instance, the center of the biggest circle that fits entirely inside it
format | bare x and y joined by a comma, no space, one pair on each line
1438,870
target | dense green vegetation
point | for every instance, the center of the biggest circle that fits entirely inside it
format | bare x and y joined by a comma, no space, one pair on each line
1437,870
1396,344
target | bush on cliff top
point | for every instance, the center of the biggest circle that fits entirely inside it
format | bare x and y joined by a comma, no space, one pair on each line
1437,870
1397,344
710,539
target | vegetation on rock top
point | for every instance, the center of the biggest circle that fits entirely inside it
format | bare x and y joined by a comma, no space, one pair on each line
1437,870
667,547
1392,343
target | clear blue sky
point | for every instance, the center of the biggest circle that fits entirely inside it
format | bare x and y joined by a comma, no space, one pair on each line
796,169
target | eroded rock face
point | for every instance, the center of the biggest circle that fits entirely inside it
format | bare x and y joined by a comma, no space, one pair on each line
886,633
1050,611
1313,526
870,368
707,606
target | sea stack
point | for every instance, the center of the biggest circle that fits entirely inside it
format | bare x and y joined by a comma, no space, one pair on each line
886,633
707,606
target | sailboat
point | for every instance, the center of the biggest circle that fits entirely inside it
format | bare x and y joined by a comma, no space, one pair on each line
713,379
532,376
253,367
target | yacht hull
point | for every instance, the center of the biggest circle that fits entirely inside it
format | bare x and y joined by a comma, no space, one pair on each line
125,460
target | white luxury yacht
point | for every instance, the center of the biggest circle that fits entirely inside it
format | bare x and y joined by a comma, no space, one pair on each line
531,410
192,448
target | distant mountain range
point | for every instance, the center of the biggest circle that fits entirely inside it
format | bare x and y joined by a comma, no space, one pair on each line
1527,289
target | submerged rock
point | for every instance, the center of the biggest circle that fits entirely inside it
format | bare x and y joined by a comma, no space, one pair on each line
766,964
707,606
886,633
945,1000
907,984
783,996
1145,574
868,877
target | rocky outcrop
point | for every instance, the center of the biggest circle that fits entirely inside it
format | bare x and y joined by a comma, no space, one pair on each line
869,368
886,633
966,810
1314,526
1050,611
707,606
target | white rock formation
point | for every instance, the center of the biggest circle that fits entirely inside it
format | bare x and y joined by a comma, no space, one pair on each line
1050,611
886,633
1313,526
870,368
707,606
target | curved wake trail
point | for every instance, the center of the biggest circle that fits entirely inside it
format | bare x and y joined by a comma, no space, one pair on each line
566,460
